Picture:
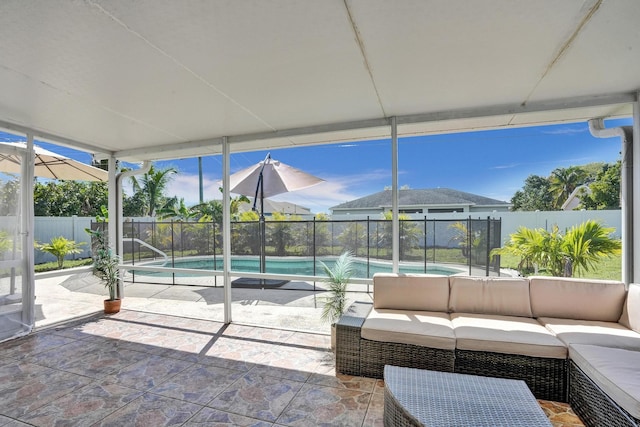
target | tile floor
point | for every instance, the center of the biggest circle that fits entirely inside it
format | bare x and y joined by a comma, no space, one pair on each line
144,369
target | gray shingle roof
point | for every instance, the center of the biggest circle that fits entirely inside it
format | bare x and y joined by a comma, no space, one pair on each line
427,196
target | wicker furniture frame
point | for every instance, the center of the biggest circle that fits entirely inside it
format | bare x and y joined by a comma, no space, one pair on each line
374,355
546,377
357,356
593,405
414,397
360,357
348,338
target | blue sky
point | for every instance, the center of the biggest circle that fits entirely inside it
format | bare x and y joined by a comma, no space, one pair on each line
491,163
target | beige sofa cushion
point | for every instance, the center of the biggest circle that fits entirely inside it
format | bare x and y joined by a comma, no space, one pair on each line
593,332
423,292
631,311
428,329
614,370
581,299
505,334
490,295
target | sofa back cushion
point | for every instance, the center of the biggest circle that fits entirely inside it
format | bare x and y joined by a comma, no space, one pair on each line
422,292
631,311
505,296
573,298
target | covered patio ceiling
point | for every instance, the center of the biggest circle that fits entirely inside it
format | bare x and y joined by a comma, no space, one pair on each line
157,79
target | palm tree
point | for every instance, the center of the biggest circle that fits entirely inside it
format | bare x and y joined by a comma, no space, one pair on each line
579,249
153,184
235,206
409,233
586,243
563,181
60,247
177,210
210,211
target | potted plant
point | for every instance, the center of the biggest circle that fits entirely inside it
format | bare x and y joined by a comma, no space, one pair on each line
105,266
335,303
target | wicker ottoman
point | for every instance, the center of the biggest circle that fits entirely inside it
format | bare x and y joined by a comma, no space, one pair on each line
415,397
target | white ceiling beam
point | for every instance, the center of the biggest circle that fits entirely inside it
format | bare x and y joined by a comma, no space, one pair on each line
524,108
213,145
55,139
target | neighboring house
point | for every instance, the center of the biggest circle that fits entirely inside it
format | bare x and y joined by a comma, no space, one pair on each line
271,206
573,201
424,201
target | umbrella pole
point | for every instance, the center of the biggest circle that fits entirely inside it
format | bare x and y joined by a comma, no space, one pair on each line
263,231
262,226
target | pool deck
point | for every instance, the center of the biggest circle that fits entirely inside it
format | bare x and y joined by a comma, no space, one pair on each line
67,294
167,359
76,293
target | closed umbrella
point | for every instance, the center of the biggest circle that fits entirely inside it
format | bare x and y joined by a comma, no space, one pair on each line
265,179
52,165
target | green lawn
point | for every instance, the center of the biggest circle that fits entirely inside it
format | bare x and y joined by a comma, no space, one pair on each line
50,266
607,268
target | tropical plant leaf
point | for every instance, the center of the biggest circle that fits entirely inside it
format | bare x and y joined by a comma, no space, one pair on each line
339,275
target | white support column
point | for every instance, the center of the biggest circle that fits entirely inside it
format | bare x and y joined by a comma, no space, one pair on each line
29,286
635,277
598,130
226,230
114,224
395,221
113,205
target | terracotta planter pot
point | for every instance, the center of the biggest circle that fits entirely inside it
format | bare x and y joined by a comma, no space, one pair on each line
112,306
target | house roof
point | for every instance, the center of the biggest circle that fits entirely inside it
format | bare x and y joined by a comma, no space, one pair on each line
421,197
149,80
271,206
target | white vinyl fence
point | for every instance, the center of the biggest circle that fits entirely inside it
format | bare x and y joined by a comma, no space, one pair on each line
45,228
511,221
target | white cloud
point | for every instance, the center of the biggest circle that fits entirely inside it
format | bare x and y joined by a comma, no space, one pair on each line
187,186
566,131
510,166
319,198
336,190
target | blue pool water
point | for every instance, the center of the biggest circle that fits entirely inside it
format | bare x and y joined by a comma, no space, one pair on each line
296,266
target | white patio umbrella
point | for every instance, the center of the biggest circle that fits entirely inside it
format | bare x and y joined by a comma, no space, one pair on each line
52,165
277,178
265,179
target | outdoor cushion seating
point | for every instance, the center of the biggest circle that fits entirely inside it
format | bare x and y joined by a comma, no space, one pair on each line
607,334
505,334
497,336
414,331
581,299
426,328
614,373
538,329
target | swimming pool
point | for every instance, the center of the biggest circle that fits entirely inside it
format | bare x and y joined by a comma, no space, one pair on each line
295,266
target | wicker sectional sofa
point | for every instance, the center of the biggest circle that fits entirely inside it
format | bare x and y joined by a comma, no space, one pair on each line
575,340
